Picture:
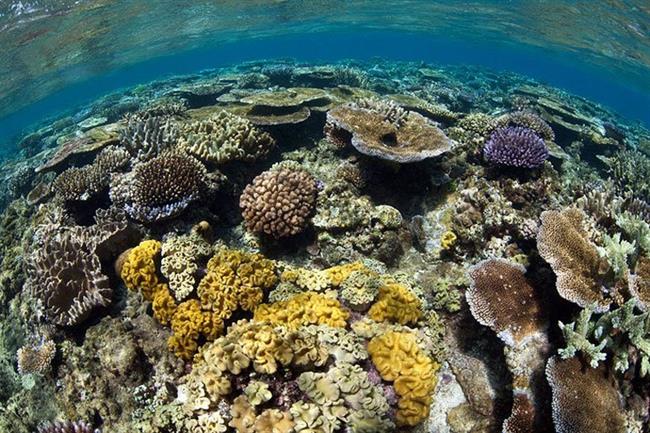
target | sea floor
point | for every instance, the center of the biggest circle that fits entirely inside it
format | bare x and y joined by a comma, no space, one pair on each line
353,247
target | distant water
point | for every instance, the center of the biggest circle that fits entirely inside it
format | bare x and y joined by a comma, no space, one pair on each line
58,54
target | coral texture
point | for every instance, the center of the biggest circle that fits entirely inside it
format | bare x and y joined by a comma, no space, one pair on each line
279,202
179,263
386,131
67,427
35,358
526,119
515,146
396,303
304,309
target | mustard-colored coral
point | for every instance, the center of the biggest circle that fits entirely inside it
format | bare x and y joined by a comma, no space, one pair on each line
396,303
139,269
274,421
398,358
163,304
188,323
340,273
307,308
448,240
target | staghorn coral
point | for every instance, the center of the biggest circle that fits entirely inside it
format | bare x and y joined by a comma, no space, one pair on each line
630,170
501,298
515,147
160,188
80,184
225,137
398,359
526,119
564,244
584,399
396,303
616,251
307,308
35,358
67,427
179,263
279,202
384,130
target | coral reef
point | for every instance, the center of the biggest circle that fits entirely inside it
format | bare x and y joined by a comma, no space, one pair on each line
279,203
516,147
179,263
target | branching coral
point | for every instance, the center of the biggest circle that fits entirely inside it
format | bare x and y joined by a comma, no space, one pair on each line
386,131
35,358
67,427
398,359
225,137
160,188
584,399
526,119
307,308
146,136
279,202
564,244
396,303
516,147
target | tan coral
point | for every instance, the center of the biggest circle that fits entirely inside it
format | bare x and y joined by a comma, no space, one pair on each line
274,421
243,415
584,398
564,244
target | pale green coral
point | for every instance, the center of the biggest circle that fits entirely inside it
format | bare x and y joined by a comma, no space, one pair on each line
617,252
257,392
620,332
343,345
637,230
360,289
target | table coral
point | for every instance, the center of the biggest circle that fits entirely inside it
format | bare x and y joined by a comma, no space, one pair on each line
307,308
398,359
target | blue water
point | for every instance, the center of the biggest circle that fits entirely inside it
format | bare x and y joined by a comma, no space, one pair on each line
553,67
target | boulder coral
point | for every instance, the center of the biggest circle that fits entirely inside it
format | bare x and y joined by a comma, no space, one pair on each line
398,359
279,202
386,131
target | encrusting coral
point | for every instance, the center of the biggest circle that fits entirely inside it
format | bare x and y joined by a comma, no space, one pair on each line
580,271
398,359
384,130
279,202
225,137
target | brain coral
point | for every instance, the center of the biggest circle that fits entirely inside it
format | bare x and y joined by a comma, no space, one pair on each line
279,202
67,275
386,131
398,359
225,137
160,188
584,399
516,147
564,244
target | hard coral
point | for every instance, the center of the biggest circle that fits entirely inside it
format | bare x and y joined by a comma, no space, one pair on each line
225,137
160,188
67,427
307,308
386,131
564,244
35,358
584,399
279,202
398,359
526,119
515,147
146,136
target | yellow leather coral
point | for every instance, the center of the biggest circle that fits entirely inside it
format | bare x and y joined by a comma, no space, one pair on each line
448,240
397,304
338,274
304,309
139,269
235,279
163,304
188,323
398,358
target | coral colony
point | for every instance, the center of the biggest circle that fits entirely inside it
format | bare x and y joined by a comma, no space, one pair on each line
367,248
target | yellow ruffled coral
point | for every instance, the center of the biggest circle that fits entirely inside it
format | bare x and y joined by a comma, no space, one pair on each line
398,358
163,304
448,240
338,274
188,323
396,304
139,269
304,309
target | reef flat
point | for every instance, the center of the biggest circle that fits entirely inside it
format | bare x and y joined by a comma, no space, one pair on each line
352,247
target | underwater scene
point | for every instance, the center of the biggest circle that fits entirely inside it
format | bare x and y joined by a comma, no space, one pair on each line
324,217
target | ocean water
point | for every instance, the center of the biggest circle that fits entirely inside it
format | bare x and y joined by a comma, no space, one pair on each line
324,216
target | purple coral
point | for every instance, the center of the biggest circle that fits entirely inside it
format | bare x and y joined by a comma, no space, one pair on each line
515,146
67,427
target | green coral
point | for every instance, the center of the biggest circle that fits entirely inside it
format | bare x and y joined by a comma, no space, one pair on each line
619,332
617,252
636,229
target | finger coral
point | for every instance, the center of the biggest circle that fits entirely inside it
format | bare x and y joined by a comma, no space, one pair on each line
225,137
384,130
396,303
516,147
584,399
398,359
304,309
160,188
564,244
279,202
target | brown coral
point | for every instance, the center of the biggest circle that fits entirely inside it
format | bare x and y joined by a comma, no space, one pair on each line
564,244
279,202
35,358
584,399
386,131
